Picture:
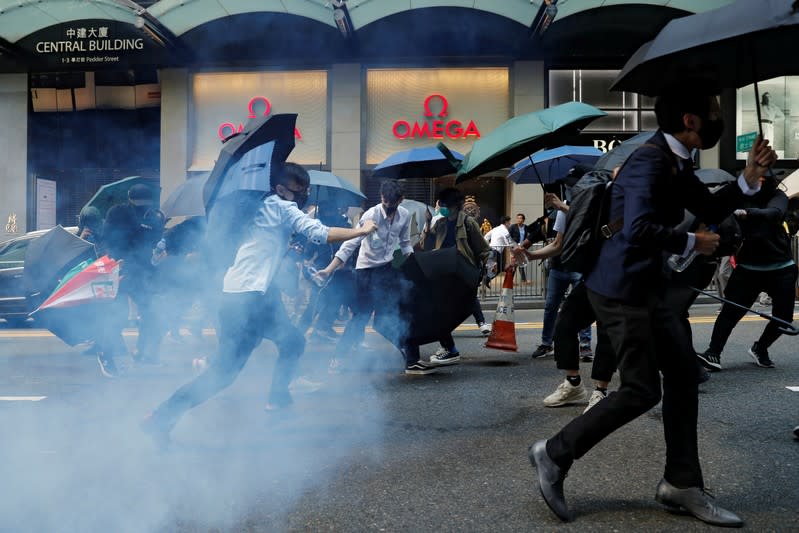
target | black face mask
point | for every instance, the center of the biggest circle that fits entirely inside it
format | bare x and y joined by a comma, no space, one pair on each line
390,210
710,132
300,198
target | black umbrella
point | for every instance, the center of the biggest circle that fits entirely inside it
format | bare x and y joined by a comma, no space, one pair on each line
733,46
248,158
48,258
438,291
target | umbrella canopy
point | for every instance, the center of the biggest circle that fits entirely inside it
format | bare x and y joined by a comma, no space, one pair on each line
89,282
417,211
248,158
733,46
791,184
617,156
714,176
115,193
548,166
326,187
49,257
438,292
427,162
525,134
187,199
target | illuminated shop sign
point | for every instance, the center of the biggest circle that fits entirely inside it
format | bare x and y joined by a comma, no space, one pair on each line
259,106
435,128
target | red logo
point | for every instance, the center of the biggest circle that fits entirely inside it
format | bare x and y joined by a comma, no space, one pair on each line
437,128
257,106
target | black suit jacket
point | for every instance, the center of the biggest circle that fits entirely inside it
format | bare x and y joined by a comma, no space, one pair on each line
651,194
514,232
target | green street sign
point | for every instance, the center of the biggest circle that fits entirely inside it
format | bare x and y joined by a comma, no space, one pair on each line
744,143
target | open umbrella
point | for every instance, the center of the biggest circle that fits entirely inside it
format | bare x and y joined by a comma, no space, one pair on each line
426,162
116,192
524,135
187,199
326,187
76,307
616,157
733,46
438,291
48,258
548,166
248,158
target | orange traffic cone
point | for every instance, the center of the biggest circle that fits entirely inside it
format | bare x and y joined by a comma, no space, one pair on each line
503,331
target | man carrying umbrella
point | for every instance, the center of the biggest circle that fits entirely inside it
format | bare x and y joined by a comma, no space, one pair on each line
251,306
626,289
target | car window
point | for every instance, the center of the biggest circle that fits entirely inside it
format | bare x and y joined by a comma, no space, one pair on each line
13,253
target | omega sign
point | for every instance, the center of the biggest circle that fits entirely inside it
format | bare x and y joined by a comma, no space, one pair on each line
257,104
437,128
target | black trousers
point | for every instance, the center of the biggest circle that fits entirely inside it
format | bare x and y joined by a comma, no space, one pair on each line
648,341
743,288
245,318
575,315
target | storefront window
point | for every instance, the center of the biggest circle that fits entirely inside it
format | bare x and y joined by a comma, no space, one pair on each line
779,114
408,108
223,102
627,112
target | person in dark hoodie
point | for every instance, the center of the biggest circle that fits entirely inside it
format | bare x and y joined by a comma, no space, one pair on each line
764,263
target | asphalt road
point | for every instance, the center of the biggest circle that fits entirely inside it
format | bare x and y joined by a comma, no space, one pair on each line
373,450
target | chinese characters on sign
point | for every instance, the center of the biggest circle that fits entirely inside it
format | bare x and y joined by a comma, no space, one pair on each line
89,44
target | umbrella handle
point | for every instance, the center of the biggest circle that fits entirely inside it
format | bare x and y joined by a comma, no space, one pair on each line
784,327
454,161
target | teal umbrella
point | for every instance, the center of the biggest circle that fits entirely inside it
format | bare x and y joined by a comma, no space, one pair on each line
520,136
116,192
326,187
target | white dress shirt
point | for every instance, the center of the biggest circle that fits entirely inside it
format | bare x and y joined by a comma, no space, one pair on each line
499,238
267,240
377,249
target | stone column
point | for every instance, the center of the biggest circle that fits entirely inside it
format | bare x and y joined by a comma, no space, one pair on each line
14,155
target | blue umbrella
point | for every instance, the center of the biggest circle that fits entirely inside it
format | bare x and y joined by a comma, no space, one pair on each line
548,166
326,187
426,162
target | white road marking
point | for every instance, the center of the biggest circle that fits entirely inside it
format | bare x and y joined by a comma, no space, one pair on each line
21,398
795,389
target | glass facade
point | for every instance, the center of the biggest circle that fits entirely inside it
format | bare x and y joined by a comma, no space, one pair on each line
779,114
627,112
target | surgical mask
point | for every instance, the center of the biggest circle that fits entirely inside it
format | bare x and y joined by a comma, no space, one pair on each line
443,211
710,132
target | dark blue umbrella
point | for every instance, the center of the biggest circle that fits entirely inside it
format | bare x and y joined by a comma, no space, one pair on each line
548,166
426,162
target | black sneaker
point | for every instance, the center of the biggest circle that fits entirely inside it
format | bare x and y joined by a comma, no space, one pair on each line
710,360
444,357
796,432
419,368
542,351
107,366
586,354
760,355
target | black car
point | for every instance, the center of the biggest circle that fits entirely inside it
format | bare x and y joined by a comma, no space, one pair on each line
13,304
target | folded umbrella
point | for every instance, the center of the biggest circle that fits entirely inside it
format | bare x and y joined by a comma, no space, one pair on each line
526,134
714,176
426,162
548,166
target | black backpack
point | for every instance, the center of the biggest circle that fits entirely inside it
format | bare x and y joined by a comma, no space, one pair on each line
587,221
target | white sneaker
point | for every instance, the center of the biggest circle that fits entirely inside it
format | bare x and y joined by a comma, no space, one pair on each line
566,393
303,385
485,329
596,397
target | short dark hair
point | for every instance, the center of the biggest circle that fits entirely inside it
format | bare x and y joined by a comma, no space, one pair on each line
391,190
505,218
291,172
521,215
451,197
671,107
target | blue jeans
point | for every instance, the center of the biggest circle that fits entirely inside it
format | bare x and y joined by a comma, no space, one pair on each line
557,284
